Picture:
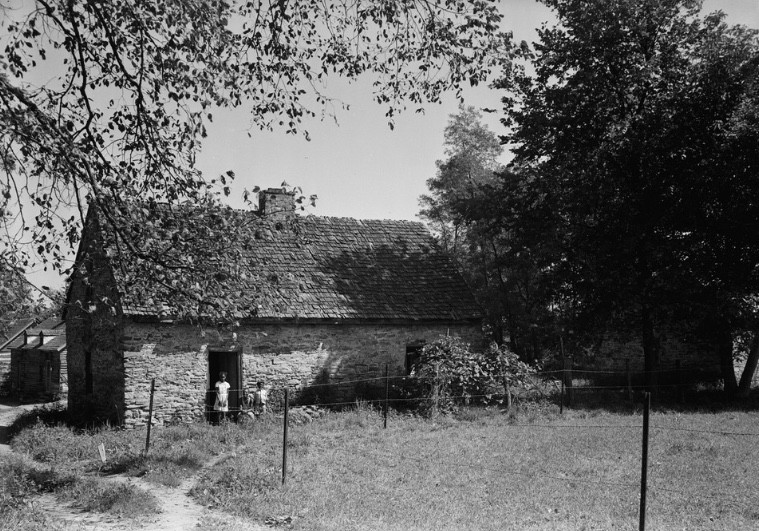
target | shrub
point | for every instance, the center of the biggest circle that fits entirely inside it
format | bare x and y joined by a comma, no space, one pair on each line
449,374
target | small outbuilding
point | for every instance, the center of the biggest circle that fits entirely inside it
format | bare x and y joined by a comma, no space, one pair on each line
38,370
15,330
327,299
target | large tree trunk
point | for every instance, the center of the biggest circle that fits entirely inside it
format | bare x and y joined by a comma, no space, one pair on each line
748,371
724,338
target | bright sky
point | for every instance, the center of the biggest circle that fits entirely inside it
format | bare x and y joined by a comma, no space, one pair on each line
360,168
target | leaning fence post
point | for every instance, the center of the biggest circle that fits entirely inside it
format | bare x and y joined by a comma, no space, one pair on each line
150,415
387,392
284,442
644,461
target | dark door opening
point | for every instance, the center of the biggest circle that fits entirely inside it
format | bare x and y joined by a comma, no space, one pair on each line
413,354
231,363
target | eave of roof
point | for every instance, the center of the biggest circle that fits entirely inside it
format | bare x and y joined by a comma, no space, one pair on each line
25,324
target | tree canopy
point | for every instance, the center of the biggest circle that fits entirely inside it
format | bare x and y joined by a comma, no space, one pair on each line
635,128
474,208
107,102
18,301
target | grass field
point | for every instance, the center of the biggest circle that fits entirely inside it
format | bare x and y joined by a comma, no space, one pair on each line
480,469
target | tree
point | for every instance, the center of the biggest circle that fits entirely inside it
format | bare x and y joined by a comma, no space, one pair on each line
133,84
473,151
472,210
638,129
19,301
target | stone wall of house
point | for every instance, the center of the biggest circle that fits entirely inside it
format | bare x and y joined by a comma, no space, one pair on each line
697,359
294,355
93,332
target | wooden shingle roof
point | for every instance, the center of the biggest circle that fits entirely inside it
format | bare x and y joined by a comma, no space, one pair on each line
53,330
333,268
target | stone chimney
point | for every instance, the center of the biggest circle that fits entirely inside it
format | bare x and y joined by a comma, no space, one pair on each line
276,203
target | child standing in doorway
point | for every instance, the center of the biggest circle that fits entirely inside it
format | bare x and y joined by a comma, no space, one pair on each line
221,406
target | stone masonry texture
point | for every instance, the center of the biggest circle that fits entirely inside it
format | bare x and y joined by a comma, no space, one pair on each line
279,355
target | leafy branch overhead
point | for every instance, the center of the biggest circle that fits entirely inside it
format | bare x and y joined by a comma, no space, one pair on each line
105,102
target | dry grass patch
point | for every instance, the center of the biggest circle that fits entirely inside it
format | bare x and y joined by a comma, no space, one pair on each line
20,480
94,495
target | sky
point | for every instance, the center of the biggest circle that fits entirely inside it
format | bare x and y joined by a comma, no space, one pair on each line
359,167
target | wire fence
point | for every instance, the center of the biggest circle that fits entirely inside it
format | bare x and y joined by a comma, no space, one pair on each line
403,390
311,396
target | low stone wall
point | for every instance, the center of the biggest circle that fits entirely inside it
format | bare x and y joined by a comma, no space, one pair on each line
293,355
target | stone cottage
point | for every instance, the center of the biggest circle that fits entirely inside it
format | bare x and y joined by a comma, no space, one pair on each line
328,300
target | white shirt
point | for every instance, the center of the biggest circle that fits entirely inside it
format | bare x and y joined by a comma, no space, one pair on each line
222,396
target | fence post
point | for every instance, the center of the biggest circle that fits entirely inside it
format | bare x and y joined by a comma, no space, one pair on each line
150,415
629,380
644,461
570,386
657,383
436,391
284,442
563,375
387,392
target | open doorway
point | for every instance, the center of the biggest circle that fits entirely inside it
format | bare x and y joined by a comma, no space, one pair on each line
413,355
229,361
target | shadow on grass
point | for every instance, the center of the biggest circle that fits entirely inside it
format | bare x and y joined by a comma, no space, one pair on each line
52,415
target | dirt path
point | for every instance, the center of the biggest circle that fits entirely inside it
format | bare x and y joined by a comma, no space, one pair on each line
179,512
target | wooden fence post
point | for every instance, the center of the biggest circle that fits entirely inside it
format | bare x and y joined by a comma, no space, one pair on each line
150,415
387,392
570,386
436,391
644,462
284,442
563,375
